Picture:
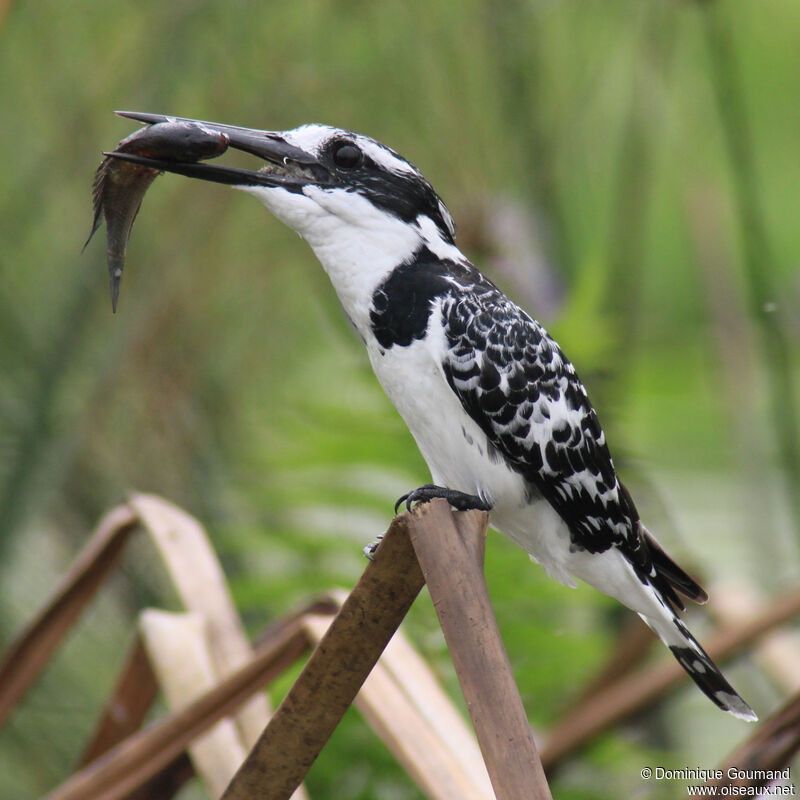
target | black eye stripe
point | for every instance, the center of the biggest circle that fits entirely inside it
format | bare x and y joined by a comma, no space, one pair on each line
403,192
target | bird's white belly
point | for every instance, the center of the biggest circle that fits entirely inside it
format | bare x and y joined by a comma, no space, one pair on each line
456,451
453,446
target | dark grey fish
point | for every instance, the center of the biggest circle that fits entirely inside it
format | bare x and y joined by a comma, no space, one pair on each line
119,186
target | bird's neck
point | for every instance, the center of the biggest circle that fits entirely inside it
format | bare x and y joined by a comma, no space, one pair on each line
358,260
359,244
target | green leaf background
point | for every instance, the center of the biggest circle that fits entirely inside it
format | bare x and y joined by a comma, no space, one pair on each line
230,382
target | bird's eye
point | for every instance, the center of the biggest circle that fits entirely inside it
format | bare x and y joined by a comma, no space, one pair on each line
347,155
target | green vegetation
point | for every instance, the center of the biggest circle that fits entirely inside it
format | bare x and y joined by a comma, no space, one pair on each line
648,158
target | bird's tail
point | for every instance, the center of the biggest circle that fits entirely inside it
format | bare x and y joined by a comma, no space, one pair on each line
702,670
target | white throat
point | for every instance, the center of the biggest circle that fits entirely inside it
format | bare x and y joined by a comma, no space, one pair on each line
357,243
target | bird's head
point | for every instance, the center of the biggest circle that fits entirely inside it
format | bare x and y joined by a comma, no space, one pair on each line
363,208
324,182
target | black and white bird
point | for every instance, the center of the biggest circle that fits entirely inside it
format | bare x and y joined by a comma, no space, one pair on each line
498,412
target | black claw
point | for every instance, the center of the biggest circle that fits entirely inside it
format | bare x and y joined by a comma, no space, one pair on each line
400,501
461,501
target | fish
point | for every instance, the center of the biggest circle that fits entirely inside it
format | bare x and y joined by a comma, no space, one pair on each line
120,186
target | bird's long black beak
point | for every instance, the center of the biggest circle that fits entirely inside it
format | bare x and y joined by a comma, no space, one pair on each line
286,165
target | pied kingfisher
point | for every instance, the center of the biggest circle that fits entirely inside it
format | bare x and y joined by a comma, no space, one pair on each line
496,409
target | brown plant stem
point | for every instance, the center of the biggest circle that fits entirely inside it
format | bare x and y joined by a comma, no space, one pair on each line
334,673
146,753
28,654
452,562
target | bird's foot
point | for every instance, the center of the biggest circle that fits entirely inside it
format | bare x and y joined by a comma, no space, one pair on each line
461,501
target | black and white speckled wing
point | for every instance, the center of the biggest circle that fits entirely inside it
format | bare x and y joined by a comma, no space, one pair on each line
517,385
515,382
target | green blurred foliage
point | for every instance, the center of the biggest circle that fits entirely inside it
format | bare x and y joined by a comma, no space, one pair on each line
230,383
